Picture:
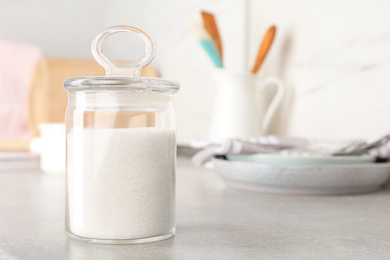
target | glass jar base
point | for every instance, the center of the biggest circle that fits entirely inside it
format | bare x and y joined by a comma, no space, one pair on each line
121,241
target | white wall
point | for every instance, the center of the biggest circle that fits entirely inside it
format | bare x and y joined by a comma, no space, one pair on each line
336,60
63,28
333,56
179,55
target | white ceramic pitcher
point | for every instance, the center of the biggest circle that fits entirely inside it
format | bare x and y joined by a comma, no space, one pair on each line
236,112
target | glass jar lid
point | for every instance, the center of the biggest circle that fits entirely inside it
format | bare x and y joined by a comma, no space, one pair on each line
122,76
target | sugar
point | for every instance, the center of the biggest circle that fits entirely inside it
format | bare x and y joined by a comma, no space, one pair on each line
121,182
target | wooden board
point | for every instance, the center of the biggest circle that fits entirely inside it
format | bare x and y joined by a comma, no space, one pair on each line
12,145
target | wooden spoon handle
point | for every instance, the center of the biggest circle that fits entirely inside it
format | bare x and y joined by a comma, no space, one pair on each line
264,48
211,27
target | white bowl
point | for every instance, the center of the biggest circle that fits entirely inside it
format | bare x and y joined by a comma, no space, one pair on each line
303,180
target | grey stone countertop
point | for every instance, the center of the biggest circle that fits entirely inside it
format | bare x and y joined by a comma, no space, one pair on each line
213,222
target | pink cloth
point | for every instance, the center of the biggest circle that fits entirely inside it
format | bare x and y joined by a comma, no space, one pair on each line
17,62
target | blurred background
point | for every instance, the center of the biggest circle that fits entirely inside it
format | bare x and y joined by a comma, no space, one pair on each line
333,57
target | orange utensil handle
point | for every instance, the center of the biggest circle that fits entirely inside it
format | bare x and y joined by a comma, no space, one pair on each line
264,48
211,27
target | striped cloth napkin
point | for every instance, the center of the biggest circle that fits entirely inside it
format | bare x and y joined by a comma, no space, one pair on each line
292,146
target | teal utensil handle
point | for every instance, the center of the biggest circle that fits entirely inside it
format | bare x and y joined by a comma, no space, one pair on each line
211,49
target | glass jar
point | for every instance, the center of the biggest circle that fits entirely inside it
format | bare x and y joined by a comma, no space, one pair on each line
121,152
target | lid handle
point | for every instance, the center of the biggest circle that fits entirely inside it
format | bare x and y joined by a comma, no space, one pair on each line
115,68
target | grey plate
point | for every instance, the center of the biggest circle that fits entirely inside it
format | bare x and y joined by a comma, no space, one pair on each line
303,180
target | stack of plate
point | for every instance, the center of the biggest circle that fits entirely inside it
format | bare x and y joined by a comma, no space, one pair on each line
321,175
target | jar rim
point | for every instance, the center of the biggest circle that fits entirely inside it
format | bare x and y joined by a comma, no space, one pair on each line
117,83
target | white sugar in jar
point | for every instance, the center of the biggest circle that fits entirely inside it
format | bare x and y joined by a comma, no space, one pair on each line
121,153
